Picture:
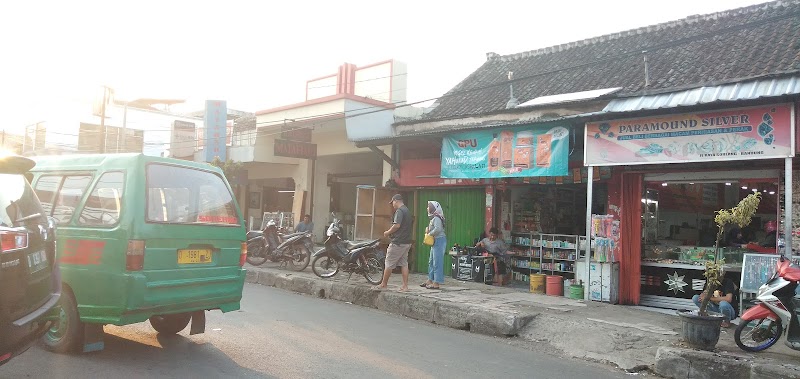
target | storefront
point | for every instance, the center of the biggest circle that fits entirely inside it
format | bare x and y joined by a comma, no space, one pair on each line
672,173
543,220
521,179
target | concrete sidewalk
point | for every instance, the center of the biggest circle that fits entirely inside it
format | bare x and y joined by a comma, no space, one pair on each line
632,338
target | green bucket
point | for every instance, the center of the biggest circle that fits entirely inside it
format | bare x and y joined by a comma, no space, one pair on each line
576,291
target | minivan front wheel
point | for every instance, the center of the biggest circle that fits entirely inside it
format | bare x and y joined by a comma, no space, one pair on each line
170,324
65,334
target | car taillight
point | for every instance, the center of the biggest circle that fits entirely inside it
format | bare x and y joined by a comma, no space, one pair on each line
134,257
243,254
11,240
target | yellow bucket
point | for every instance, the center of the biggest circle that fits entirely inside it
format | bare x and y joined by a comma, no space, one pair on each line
537,283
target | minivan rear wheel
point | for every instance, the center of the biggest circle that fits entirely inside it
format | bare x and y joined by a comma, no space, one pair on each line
170,324
65,334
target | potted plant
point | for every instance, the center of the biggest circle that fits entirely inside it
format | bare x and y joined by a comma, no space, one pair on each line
699,328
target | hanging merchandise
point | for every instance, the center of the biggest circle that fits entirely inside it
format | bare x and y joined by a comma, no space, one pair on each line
605,234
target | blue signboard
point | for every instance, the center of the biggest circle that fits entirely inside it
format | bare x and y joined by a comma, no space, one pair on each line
215,119
508,152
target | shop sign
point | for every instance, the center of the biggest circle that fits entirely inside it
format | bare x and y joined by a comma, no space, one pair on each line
738,134
215,120
510,152
294,149
182,139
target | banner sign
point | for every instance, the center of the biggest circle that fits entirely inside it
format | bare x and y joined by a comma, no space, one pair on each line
215,120
509,152
738,134
182,139
295,149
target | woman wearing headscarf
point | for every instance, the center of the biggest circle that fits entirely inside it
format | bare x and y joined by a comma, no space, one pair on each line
436,260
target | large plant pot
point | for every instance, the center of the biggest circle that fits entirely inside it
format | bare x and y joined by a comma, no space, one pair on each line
700,332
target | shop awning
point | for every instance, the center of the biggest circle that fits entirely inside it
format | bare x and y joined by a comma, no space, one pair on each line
739,91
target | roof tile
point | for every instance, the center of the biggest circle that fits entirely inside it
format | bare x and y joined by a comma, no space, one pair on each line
735,44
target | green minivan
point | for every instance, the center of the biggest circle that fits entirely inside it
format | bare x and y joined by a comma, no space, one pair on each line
139,238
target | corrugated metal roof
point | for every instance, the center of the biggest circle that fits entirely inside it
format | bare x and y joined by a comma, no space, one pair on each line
748,90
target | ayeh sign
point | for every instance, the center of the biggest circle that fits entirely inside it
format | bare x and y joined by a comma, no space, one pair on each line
294,149
739,134
514,152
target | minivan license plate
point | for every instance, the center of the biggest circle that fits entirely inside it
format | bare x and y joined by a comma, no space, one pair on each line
194,256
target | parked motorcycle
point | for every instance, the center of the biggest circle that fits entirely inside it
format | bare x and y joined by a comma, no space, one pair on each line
762,325
341,255
270,244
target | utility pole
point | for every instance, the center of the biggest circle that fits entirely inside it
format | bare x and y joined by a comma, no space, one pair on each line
124,125
121,134
103,120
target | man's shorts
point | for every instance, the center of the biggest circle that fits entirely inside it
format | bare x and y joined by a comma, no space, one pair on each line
397,255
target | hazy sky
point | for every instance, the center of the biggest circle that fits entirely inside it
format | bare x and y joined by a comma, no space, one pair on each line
258,54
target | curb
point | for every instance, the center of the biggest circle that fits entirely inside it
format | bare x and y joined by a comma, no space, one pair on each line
672,362
446,313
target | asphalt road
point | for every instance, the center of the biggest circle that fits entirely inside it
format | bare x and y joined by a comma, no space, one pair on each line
286,335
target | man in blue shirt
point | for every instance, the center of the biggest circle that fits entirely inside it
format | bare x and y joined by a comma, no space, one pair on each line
306,225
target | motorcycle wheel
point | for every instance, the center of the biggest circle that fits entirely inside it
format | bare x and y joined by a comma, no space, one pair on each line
374,269
300,258
253,258
757,335
324,266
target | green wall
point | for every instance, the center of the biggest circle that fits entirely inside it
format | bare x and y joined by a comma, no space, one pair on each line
464,211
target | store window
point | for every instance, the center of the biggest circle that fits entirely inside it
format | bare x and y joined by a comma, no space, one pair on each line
678,220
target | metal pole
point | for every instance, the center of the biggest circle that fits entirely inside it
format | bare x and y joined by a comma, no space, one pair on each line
124,126
311,187
103,120
589,183
787,206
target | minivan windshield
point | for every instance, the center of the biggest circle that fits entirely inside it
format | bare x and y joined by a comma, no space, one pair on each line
188,196
17,201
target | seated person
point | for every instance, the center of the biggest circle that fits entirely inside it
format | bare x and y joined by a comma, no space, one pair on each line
707,237
768,244
492,244
497,248
735,238
724,300
306,225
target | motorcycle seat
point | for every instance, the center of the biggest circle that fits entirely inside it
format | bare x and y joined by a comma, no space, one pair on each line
356,245
290,235
254,233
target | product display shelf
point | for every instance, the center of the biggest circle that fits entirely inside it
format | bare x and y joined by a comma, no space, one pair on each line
553,254
526,253
559,253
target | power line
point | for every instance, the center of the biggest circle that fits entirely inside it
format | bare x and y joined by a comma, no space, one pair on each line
336,116
359,81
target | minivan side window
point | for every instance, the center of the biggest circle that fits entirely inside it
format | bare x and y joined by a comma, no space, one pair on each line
46,188
104,205
67,199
